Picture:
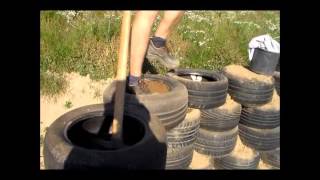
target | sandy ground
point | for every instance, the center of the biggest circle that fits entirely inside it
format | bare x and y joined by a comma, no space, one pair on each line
80,92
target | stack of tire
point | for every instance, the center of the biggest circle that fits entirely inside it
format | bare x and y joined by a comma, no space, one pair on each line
180,141
259,126
200,116
178,109
219,129
242,157
169,102
207,92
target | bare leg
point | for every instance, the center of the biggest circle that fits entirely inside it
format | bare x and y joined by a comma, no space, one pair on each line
170,19
157,49
141,29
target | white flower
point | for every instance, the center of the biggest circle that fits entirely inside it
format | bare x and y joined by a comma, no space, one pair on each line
200,31
271,26
202,43
247,23
68,14
197,17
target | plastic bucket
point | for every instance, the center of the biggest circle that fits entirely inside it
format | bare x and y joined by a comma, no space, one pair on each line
264,62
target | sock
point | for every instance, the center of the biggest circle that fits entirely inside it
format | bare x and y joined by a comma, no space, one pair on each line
134,80
158,41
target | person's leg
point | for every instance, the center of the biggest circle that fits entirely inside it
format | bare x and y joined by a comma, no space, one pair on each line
157,47
170,19
140,33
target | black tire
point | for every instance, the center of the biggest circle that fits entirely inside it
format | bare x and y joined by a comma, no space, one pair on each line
237,162
262,117
278,66
249,92
186,132
170,107
68,146
260,139
276,77
217,144
205,94
179,158
223,118
272,158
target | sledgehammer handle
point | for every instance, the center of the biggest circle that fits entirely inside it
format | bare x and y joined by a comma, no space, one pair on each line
121,76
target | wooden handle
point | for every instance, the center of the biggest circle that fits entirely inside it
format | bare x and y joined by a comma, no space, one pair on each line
121,75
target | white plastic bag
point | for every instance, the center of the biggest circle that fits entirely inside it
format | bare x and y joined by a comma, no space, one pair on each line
196,77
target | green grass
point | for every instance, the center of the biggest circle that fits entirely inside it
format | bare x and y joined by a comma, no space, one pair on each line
52,84
221,38
87,42
68,104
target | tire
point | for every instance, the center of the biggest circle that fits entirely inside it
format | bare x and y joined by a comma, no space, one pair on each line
278,66
217,144
205,94
236,162
68,146
248,92
242,157
170,107
223,118
186,132
260,139
179,158
272,158
262,117
276,77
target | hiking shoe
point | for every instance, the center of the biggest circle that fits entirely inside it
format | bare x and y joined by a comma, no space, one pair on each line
162,54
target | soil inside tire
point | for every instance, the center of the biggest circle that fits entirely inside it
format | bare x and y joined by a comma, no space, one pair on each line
244,73
229,105
155,86
189,110
242,151
133,132
274,104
